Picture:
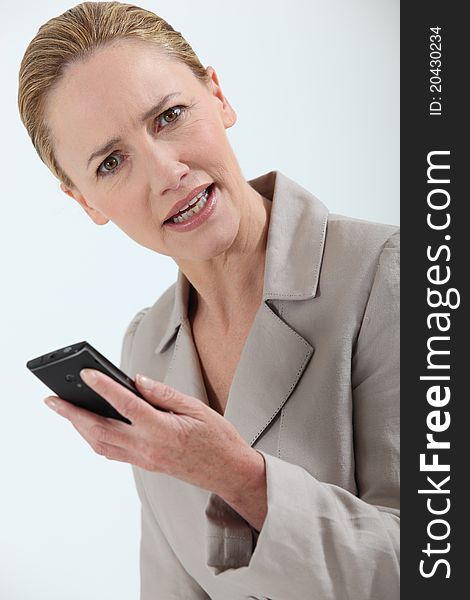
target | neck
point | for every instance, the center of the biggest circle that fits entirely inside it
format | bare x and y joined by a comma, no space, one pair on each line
236,274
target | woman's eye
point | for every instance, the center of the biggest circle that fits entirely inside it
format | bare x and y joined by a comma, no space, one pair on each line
110,164
169,116
113,162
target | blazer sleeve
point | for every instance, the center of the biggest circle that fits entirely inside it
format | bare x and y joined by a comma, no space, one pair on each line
319,540
161,573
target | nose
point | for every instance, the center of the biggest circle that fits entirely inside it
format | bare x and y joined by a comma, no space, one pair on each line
166,173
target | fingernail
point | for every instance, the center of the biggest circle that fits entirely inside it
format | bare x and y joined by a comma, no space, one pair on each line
51,403
88,375
145,382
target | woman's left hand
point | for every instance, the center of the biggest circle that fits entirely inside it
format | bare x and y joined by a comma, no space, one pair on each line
193,442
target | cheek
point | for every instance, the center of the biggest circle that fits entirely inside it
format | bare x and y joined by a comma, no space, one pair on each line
122,202
208,139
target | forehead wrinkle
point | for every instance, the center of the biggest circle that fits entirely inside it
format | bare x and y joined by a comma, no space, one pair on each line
153,74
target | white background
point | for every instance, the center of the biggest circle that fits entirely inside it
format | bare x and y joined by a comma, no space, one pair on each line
315,84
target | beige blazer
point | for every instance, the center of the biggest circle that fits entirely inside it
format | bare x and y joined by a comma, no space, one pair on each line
316,391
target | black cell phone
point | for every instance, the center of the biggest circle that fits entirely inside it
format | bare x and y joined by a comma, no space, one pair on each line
60,371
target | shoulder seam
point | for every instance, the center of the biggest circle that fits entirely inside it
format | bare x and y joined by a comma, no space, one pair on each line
136,321
128,339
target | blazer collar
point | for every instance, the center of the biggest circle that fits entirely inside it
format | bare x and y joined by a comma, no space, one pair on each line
296,238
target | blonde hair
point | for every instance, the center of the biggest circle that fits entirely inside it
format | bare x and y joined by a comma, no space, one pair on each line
73,36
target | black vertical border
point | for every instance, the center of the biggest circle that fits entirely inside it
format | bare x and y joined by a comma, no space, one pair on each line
421,134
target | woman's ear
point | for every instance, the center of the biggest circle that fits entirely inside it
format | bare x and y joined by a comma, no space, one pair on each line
229,116
93,213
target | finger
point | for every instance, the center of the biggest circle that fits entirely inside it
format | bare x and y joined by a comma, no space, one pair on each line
124,401
94,428
98,440
70,411
100,434
121,455
164,396
113,453
124,455
107,437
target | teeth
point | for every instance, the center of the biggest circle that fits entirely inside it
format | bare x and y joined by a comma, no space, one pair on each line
194,200
196,206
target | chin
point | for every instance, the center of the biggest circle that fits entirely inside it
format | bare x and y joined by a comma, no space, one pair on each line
213,243
214,247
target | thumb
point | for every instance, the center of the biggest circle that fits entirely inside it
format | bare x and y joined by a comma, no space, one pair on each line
164,396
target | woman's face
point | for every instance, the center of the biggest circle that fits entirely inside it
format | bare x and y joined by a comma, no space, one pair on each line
157,156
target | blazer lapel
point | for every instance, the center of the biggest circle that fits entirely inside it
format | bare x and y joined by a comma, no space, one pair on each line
272,361
275,355
184,372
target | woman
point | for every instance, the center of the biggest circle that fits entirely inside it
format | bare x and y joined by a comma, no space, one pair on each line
273,472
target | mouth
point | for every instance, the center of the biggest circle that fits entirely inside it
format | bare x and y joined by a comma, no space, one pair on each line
202,210
193,207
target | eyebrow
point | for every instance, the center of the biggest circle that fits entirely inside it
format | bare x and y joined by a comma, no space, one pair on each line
111,143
